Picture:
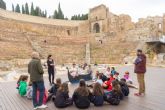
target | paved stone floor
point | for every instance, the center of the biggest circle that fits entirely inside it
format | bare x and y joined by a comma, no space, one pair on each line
153,100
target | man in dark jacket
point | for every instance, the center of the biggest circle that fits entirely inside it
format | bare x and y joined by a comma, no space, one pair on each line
36,76
140,69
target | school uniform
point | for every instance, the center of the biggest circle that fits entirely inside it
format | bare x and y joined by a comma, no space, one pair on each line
97,100
62,99
80,101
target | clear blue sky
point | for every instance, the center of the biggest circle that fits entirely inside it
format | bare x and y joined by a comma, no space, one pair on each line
135,8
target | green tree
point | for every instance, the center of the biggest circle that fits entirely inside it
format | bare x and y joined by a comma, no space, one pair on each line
17,8
55,16
80,17
37,11
23,9
60,13
26,8
2,4
12,7
32,12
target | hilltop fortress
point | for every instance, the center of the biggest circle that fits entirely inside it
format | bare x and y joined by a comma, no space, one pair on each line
103,38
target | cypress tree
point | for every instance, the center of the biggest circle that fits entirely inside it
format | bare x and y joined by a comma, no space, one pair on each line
23,9
32,12
17,8
37,11
2,4
60,13
26,8
55,16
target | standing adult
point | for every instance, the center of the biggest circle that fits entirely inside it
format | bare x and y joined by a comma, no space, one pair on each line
50,63
140,69
36,76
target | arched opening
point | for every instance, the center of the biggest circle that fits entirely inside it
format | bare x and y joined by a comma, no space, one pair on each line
68,32
96,28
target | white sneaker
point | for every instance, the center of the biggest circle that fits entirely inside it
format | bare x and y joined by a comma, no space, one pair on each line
46,106
42,106
35,108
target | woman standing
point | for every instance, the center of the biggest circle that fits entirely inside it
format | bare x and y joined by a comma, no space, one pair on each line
51,71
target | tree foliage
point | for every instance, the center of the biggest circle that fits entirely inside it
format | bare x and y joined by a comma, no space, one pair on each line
58,14
23,9
2,4
17,9
80,17
26,8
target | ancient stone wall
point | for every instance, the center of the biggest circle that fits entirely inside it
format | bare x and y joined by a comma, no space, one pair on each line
65,40
164,24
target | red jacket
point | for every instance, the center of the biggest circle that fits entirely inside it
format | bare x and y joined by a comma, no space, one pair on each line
140,64
109,83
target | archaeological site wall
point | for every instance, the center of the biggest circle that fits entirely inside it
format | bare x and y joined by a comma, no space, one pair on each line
65,39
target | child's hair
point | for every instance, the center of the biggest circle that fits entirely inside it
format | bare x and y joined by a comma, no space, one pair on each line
123,80
116,73
126,72
113,68
116,87
20,79
111,75
24,78
82,89
100,76
97,89
49,56
58,81
64,87
82,83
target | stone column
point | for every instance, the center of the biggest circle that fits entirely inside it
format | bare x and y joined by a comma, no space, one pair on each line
87,55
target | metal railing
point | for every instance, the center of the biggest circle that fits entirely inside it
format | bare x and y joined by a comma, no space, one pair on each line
156,39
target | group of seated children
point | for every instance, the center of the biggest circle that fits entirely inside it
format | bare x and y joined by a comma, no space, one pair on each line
83,96
26,90
106,88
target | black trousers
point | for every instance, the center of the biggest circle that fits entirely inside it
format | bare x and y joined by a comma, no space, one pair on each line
51,76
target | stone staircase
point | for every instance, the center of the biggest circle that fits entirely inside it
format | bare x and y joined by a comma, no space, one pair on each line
36,47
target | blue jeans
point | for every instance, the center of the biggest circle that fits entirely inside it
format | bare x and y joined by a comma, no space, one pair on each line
39,85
